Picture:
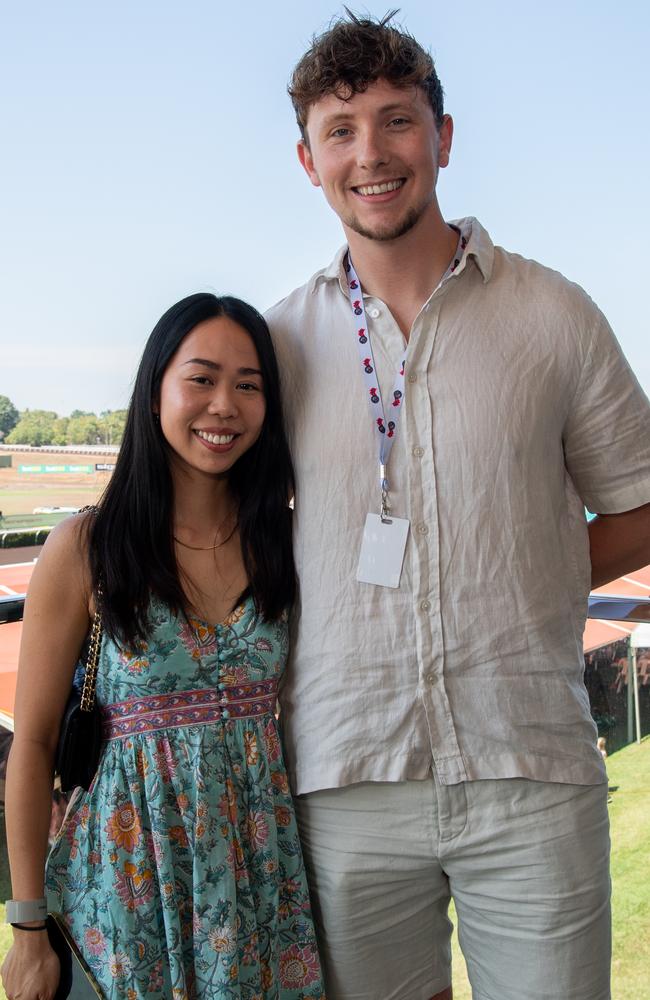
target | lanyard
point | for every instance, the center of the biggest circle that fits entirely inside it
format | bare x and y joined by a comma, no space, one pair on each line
385,429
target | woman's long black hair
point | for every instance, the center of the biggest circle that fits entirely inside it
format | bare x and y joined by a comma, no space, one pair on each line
131,542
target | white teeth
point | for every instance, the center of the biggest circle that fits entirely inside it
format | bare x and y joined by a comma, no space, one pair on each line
215,438
380,188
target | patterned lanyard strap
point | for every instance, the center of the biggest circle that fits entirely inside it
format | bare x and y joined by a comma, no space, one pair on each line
385,429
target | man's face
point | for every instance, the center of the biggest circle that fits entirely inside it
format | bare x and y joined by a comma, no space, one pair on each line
377,156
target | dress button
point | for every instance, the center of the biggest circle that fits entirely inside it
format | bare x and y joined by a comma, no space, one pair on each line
221,656
425,605
413,377
422,529
221,686
418,452
374,313
225,714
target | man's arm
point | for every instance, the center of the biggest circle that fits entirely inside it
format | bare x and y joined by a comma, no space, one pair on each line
619,544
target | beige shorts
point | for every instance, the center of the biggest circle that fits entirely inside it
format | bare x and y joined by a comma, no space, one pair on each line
526,862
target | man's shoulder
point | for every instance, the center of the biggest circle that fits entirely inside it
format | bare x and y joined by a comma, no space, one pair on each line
303,301
544,280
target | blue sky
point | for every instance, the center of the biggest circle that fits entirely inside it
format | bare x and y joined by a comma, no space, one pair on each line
149,152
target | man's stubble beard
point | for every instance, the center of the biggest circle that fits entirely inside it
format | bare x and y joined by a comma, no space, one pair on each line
387,234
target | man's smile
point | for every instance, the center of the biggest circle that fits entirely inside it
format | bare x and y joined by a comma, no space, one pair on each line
382,187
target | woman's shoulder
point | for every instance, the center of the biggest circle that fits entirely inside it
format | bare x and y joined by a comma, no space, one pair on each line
69,538
64,555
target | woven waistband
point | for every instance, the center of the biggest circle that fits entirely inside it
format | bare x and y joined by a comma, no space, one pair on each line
188,708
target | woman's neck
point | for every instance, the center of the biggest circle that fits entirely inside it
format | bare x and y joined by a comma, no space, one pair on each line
204,511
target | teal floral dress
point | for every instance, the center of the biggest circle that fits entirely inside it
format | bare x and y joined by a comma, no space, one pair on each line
179,873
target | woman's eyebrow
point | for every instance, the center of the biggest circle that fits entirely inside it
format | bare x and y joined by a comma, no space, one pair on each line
217,367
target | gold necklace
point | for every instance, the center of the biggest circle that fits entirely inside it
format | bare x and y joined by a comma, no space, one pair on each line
197,548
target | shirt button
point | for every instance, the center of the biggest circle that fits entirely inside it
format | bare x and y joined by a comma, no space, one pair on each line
430,678
373,313
418,452
422,529
413,377
425,605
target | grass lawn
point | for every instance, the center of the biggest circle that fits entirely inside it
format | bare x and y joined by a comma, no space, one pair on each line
629,769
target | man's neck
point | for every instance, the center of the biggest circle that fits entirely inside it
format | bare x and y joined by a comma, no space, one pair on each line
404,272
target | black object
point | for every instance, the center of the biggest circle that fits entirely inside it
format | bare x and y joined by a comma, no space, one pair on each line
80,735
77,981
80,740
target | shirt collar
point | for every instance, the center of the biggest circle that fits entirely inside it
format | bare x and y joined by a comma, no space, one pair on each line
479,247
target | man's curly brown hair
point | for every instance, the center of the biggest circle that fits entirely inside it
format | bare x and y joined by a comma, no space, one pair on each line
355,52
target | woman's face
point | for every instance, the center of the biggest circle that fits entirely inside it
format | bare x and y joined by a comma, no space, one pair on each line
212,403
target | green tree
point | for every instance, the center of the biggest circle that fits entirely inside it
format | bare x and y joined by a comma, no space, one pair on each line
60,431
83,429
35,427
9,416
111,426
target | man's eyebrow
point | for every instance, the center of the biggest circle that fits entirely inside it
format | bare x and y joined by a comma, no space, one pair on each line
214,366
385,109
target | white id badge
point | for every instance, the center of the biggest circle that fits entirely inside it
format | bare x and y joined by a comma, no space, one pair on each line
382,551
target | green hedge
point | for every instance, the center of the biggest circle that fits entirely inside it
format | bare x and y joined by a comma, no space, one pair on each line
27,536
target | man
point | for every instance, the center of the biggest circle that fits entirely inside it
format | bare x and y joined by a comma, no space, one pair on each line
453,408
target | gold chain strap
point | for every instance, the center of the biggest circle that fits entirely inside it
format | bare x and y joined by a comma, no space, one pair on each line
94,647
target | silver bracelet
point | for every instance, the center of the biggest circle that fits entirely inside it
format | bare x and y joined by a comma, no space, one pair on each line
21,911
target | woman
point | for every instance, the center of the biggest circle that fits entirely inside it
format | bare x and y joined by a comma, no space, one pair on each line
179,872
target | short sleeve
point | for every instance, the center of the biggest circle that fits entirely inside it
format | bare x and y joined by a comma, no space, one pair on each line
607,432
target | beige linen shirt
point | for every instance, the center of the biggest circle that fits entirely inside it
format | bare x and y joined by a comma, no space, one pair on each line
519,409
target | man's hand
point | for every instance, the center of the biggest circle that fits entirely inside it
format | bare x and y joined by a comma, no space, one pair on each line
619,544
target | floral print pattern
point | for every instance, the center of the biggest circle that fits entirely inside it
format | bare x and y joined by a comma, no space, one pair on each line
179,873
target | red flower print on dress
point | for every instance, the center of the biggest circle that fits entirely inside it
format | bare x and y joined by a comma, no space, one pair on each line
291,899
282,816
251,954
155,983
124,827
94,941
280,781
272,740
299,966
266,976
250,748
197,638
165,762
257,828
177,835
135,660
133,887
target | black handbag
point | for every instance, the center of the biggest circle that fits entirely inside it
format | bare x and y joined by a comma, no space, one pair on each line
80,735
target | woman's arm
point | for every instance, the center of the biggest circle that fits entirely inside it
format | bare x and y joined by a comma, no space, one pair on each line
56,621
